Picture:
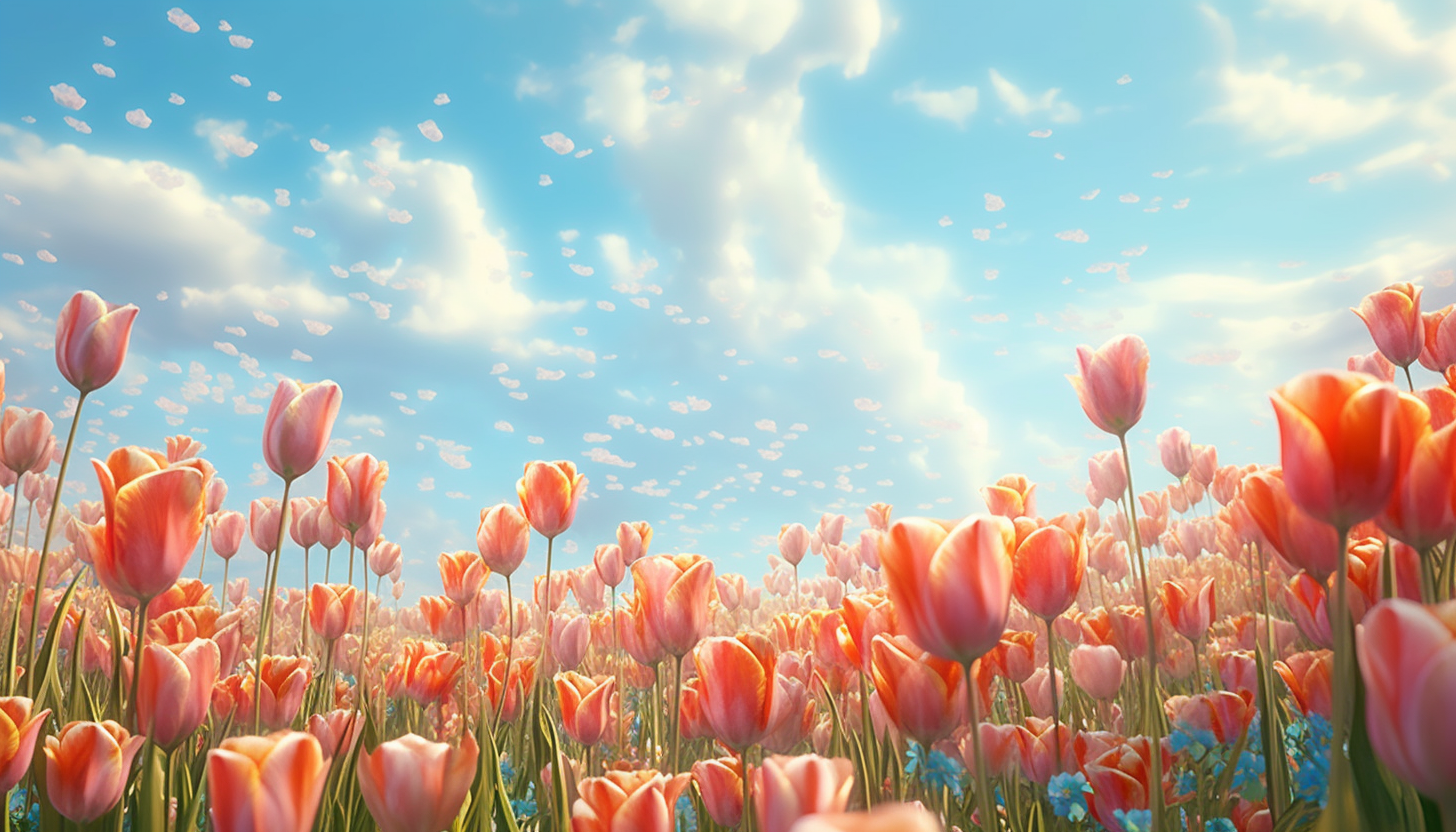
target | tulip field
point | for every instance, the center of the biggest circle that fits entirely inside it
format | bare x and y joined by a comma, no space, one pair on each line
1257,648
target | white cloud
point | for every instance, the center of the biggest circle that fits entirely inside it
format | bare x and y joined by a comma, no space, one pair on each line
758,25
225,137
954,105
627,32
1023,105
1272,108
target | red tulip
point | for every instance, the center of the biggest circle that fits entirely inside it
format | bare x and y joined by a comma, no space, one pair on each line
1191,612
1406,655
297,427
549,492
641,801
175,690
91,340
720,782
87,766
503,538
789,788
19,730
1047,570
1112,383
1339,438
355,483
588,706
951,586
1393,316
1308,676
414,785
153,521
266,784
737,693
1121,779
25,439
675,595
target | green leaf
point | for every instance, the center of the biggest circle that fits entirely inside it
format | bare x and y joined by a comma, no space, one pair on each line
47,658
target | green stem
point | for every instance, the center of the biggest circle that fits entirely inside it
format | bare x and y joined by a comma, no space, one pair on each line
500,707
1153,724
1051,683
1344,689
265,615
45,547
136,662
675,718
984,797
746,821
14,511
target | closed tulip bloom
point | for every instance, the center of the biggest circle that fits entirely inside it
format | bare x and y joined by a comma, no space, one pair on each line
228,528
25,439
1339,438
921,693
1298,537
1439,348
266,784
587,706
610,563
91,340
265,519
463,574
570,639
789,788
1098,670
720,782
1190,611
1112,383
1373,364
414,785
175,690
634,538
297,428
1393,316
332,609
87,766
1047,570
217,490
737,695
303,521
281,685
951,586
1421,511
1308,676
385,558
153,522
1408,659
549,492
676,593
628,801
503,538
19,729
355,483
337,731
793,542
1107,474
1176,450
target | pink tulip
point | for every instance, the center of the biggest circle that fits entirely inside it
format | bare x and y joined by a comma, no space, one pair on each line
87,766
720,782
1112,383
265,516
227,533
831,528
25,439
303,521
297,428
675,594
639,801
789,788
385,558
1393,316
888,817
355,483
610,563
634,538
91,340
266,784
503,538
1098,670
1176,450
175,690
1439,350
414,785
793,542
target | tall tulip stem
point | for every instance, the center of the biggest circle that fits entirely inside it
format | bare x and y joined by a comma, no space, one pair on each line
45,546
14,515
1152,723
136,664
265,614
1344,688
547,608
1052,683
500,707
984,797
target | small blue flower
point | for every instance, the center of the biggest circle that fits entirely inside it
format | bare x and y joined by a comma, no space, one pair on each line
523,808
508,771
1219,825
1186,784
687,816
1068,794
1308,743
1137,820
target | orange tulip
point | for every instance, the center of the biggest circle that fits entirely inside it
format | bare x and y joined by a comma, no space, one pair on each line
1191,612
1047,570
355,483
91,340
1299,538
1112,383
297,428
921,693
1011,497
737,696
634,538
549,492
154,514
641,801
283,682
266,784
788,788
951,586
175,690
720,782
503,538
87,766
428,671
1422,509
1393,316
463,574
414,785
1308,676
332,609
675,593
18,732
588,706
1339,438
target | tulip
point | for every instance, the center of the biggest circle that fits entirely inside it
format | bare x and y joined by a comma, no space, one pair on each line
921,693
385,558
793,543
175,690
355,482
297,428
463,574
1439,348
1098,670
570,639
675,593
890,817
610,563
737,696
1047,570
1393,316
1308,676
1176,450
588,706
332,609
266,784
91,340
1112,383
502,538
634,538
549,492
1191,612
337,731
1304,541
641,801
428,671
153,522
87,766
720,782
19,730
1121,779
26,440
1420,511
414,785
789,788
265,517
228,528
278,688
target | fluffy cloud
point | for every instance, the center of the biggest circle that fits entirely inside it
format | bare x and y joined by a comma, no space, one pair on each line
955,105
1023,105
1272,108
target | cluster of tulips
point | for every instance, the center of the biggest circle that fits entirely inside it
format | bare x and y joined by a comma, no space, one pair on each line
1248,648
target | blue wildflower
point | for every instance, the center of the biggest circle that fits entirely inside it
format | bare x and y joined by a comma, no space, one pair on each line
507,771
523,808
1068,793
1308,743
1219,825
1186,784
1137,820
687,816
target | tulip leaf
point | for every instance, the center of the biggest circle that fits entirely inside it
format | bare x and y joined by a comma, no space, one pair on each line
10,648
47,657
1373,797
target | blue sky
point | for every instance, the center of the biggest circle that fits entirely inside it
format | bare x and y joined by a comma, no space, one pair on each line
798,256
